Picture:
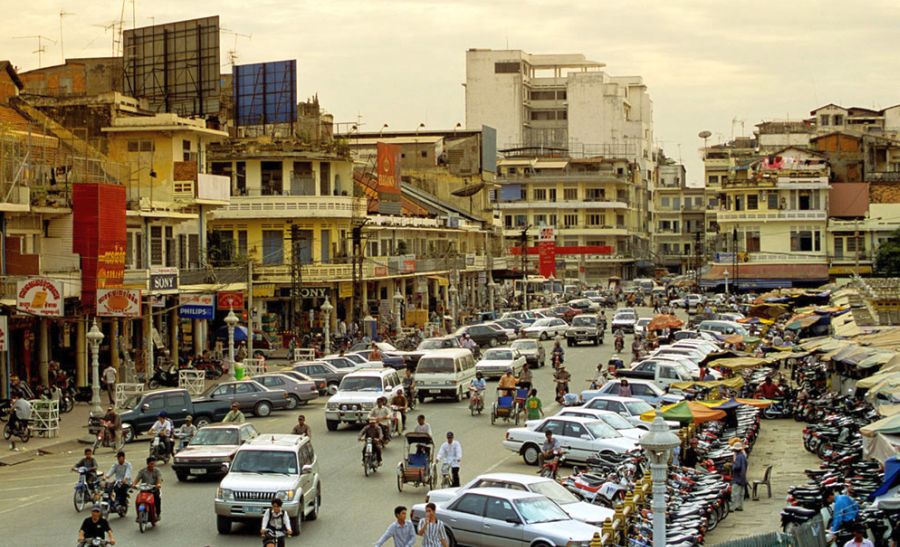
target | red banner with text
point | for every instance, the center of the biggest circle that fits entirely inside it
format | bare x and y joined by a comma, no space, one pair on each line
99,237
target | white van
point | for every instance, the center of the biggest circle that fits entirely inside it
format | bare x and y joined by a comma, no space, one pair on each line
445,373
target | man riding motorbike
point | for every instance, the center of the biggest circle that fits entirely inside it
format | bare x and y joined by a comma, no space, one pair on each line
276,525
476,388
151,475
550,450
111,422
561,377
163,428
382,416
399,406
19,412
186,432
95,527
119,476
373,431
409,384
620,340
558,354
89,463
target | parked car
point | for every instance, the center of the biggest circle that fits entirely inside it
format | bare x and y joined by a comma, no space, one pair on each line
572,505
582,438
357,395
440,342
486,517
484,335
300,392
495,361
532,350
640,389
510,324
584,328
270,466
510,332
564,312
251,396
722,328
320,383
640,326
546,328
525,317
141,410
624,320
660,372
629,408
324,371
692,300
211,450
619,423
341,362
693,335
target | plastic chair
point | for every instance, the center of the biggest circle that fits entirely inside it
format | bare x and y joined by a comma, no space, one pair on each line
766,480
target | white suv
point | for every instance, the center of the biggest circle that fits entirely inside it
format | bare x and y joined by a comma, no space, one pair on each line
357,394
270,466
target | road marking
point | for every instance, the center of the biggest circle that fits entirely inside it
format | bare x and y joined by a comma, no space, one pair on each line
21,505
497,464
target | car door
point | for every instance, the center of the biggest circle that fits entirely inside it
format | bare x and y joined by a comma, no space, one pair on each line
502,526
224,392
643,391
579,441
465,517
247,433
599,404
177,405
246,395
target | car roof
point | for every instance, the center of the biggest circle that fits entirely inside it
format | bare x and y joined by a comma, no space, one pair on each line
578,419
445,352
517,477
617,398
633,381
505,493
224,426
279,442
370,372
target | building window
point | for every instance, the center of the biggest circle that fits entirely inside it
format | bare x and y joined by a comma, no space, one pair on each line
171,252
134,250
595,194
242,242
521,220
772,199
823,120
540,194
570,221
507,221
552,195
186,153
551,220
540,220
712,180
273,247
507,67
664,202
752,202
570,194
543,95
324,178
595,219
804,201
156,246
805,240
676,203
838,119
620,221
271,178
141,146
752,241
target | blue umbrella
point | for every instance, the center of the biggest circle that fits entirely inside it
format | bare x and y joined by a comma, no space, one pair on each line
240,333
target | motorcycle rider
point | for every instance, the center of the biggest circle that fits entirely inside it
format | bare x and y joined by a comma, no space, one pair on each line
275,521
619,335
163,427
470,344
151,475
382,416
768,389
120,475
558,354
400,405
477,387
561,377
549,450
186,432
89,463
95,526
373,431
602,320
19,412
112,423
409,384
636,347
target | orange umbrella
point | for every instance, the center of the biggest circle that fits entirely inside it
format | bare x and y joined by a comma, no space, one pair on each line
664,321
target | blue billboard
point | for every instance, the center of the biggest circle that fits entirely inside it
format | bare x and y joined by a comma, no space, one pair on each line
265,93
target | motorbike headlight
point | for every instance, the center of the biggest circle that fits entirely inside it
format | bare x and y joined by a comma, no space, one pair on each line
225,494
285,495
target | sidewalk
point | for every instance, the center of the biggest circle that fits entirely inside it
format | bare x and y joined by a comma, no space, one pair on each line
72,428
780,444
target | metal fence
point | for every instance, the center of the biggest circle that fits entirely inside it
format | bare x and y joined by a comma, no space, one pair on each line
810,534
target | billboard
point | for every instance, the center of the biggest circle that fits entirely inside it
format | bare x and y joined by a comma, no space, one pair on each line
175,66
230,300
388,170
99,224
40,296
164,279
197,306
118,302
265,93
488,149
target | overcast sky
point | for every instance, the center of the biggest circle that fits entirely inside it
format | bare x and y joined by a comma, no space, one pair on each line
402,62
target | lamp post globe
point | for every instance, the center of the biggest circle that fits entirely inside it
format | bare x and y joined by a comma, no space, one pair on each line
231,322
452,292
658,444
94,338
327,308
398,299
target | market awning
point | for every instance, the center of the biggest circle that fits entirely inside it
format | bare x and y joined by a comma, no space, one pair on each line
733,383
685,412
738,363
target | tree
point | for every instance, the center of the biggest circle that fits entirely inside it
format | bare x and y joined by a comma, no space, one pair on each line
887,258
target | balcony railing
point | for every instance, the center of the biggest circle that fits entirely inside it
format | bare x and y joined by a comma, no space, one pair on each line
789,214
292,207
883,176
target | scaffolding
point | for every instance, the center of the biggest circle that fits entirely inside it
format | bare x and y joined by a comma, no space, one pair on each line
45,418
194,381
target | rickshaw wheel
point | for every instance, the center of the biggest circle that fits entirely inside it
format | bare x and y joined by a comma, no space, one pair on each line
400,481
493,413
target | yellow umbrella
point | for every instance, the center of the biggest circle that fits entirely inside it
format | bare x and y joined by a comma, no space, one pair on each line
734,383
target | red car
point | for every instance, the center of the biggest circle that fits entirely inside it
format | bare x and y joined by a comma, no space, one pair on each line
566,313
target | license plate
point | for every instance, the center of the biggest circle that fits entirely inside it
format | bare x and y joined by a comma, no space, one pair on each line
198,471
256,510
434,391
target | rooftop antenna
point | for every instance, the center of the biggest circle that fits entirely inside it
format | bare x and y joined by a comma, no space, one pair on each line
41,47
62,51
705,135
734,121
232,53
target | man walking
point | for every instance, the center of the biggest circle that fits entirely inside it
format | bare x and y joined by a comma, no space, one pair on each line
451,454
738,476
301,428
533,406
401,531
110,379
431,529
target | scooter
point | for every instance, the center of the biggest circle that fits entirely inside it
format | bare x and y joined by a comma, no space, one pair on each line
476,401
369,461
109,502
146,506
550,468
158,449
164,377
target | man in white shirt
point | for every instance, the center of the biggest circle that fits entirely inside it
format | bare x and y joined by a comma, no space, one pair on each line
451,453
110,378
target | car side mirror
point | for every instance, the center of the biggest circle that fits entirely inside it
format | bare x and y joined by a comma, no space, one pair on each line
145,407
513,521
306,469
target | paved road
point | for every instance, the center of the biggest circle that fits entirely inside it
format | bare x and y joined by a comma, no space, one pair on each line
37,495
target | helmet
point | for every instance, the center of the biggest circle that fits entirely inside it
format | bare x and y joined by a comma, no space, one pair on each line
163,414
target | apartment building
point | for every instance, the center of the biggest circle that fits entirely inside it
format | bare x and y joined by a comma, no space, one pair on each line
678,215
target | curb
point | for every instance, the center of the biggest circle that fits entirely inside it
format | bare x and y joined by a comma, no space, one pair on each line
16,458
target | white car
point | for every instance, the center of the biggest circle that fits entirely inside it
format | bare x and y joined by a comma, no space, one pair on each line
577,509
705,346
581,438
510,333
494,362
629,408
640,389
620,424
624,320
640,326
546,328
532,350
694,355
693,300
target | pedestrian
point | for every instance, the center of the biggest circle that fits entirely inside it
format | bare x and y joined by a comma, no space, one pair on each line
451,454
533,406
431,529
302,428
110,379
859,537
690,455
234,415
401,530
738,476
241,353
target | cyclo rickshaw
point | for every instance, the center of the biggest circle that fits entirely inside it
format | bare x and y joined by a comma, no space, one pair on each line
418,467
506,407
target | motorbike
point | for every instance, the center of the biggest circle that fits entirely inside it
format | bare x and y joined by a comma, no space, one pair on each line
158,449
21,430
94,542
476,401
369,459
620,344
396,420
410,394
274,538
146,506
105,438
164,377
780,409
550,468
85,490
213,369
109,502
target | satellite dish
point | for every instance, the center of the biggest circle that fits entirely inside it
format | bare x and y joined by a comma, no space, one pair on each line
704,134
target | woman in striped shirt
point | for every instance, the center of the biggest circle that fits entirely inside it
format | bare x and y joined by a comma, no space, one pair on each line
432,530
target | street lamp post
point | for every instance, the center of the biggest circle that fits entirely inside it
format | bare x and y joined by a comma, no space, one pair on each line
453,309
95,337
398,298
725,273
492,289
231,321
326,309
658,444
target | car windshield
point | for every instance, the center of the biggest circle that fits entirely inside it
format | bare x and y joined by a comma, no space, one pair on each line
355,358
434,344
624,317
554,491
498,355
637,408
209,436
616,421
360,383
341,363
132,401
544,322
524,344
584,320
435,364
535,510
602,431
644,321
260,461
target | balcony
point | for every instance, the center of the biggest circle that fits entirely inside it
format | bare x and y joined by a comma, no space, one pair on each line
883,176
207,189
610,175
17,200
311,273
777,258
568,205
250,207
738,216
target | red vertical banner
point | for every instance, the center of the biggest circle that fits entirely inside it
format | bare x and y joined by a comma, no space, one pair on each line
99,236
388,168
547,258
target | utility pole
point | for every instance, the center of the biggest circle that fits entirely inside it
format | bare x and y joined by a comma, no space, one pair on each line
250,309
523,245
856,245
734,259
357,271
697,256
296,280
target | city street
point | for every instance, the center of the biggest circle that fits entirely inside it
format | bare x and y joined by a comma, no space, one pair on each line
37,495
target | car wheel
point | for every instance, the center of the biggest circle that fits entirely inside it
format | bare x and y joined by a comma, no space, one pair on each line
332,388
128,434
531,454
317,503
295,524
262,409
451,540
223,525
293,402
544,336
493,342
332,425
201,422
